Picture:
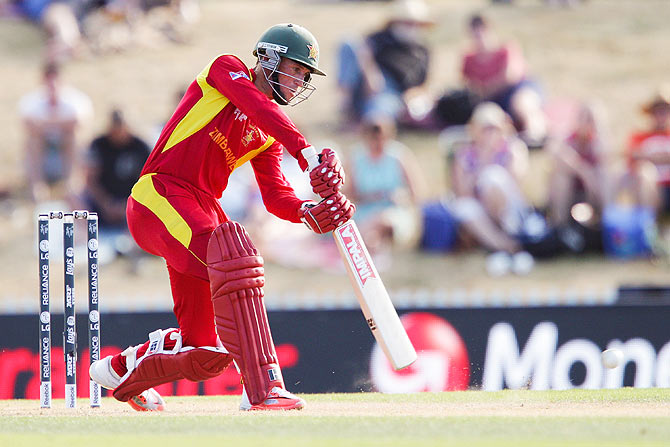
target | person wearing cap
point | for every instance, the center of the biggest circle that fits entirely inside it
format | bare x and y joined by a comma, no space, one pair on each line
648,155
486,179
228,116
383,72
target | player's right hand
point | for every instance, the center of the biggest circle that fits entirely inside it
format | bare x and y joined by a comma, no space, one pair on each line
328,214
328,176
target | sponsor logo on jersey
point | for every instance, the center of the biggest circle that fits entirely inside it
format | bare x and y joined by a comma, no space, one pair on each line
235,75
251,134
239,116
248,137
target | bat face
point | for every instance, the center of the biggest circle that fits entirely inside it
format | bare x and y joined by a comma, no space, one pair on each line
356,253
378,310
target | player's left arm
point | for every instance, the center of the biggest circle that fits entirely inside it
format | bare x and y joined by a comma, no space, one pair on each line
278,195
226,76
280,199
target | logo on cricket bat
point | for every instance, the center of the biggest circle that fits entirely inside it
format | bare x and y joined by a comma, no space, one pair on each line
357,254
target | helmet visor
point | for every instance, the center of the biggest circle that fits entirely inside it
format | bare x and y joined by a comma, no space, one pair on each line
299,89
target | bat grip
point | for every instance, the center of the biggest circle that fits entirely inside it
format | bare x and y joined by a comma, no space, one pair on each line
311,156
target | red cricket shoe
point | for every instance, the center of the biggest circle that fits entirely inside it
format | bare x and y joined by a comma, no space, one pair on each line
102,373
277,399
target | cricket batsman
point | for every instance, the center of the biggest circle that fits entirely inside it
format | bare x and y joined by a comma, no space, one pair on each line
228,116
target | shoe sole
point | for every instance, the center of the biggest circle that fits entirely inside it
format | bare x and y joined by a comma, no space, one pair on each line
138,403
260,407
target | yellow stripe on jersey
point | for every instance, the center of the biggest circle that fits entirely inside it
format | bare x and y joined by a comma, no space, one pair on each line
145,193
251,154
207,107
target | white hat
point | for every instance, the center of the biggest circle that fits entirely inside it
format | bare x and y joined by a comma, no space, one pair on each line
489,114
414,11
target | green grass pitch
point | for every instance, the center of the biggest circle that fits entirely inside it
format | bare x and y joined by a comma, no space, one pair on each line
623,417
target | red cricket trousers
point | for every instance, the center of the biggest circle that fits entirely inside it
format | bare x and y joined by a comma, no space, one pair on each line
174,220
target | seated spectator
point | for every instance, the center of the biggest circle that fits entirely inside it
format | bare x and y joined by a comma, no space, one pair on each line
31,10
489,202
57,18
64,39
578,162
115,25
648,156
52,116
115,160
643,190
497,72
383,73
383,181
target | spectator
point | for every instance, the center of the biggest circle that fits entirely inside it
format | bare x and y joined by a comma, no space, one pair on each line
384,182
384,73
489,203
630,220
578,174
115,160
31,9
64,39
114,25
52,116
648,156
497,72
56,18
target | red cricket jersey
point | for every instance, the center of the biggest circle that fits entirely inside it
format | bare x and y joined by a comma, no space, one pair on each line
493,65
223,121
649,141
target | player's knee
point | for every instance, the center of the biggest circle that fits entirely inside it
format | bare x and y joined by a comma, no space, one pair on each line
201,364
233,261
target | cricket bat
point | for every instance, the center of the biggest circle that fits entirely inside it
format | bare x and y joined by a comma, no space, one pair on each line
378,310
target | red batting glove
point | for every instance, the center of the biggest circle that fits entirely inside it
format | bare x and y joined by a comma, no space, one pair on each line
328,177
328,214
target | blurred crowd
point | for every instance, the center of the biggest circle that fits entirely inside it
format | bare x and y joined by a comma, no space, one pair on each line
74,28
598,201
487,128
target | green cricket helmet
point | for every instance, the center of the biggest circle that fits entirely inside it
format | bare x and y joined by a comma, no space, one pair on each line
292,42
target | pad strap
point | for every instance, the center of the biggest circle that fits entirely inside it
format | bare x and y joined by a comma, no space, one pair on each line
161,364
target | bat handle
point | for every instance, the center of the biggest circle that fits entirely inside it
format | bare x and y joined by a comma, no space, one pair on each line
311,156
